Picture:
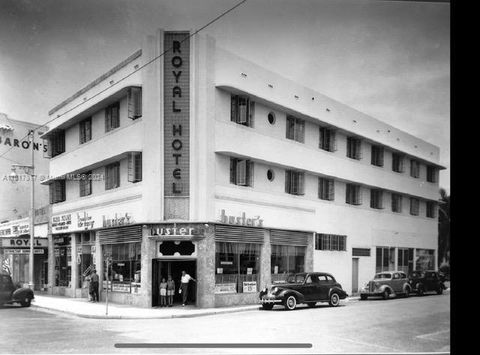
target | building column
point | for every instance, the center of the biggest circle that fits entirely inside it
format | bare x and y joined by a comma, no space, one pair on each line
414,259
74,265
265,262
395,260
147,254
51,265
206,268
309,253
98,260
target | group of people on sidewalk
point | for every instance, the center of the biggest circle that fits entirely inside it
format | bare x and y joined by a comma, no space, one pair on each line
167,289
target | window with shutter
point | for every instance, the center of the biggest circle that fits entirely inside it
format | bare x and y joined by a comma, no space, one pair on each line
85,184
233,170
354,148
85,130
112,117
242,172
234,108
414,206
135,166
112,178
414,168
57,191
134,99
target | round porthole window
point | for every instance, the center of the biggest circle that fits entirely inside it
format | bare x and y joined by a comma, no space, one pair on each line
270,175
271,118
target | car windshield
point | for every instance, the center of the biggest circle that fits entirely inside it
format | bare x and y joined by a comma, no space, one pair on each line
296,278
383,276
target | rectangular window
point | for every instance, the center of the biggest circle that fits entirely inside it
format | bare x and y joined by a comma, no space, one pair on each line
62,252
241,172
126,265
85,184
396,203
57,143
112,117
85,130
414,206
295,129
360,252
294,182
237,266
135,166
354,148
326,189
397,163
414,168
431,174
385,260
330,242
405,260
424,260
353,194
376,198
286,259
327,139
134,99
57,191
112,176
377,155
431,209
242,110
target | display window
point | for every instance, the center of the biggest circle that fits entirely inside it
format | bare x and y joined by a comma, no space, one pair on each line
125,266
237,267
63,261
286,260
425,259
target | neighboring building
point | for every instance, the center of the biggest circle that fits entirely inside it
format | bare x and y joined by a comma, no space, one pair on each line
205,162
15,249
15,149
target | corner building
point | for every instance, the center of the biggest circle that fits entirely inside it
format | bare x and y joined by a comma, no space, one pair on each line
205,162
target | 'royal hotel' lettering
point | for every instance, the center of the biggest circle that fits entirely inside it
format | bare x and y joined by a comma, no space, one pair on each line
176,114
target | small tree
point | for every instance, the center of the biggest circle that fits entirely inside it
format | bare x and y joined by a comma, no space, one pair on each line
444,228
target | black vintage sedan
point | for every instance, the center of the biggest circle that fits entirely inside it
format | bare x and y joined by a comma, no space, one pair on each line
11,294
309,288
426,281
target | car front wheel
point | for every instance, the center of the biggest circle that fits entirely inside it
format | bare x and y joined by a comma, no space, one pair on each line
386,294
267,306
407,292
26,302
334,299
290,303
420,291
363,297
439,290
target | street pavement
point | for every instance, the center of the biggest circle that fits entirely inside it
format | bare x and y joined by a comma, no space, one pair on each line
415,324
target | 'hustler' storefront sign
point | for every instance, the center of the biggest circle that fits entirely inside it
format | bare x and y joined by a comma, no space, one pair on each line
176,123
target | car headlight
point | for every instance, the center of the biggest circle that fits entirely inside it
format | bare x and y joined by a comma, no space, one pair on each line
274,290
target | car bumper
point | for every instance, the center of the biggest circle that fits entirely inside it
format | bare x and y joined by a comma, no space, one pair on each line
270,300
369,293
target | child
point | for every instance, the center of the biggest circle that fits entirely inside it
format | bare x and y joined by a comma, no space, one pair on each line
163,293
170,290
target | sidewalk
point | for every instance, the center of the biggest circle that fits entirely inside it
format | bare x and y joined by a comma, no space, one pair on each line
82,308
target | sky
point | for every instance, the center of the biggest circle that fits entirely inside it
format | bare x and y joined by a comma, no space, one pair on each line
388,59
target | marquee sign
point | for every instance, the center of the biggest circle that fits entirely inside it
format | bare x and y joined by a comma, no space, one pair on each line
176,124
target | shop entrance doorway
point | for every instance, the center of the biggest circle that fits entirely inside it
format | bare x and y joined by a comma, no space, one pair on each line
163,268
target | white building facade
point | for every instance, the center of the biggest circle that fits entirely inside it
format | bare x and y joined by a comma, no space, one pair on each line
205,162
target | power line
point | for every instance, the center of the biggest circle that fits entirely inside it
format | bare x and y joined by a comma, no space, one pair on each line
133,72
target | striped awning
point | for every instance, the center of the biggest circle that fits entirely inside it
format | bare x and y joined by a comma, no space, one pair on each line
235,234
128,234
286,237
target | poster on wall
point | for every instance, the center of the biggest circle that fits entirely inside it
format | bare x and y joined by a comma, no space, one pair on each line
226,288
249,286
121,287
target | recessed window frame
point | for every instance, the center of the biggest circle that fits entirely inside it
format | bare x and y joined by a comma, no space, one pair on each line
327,139
354,148
431,209
85,130
414,168
353,195
397,203
414,206
377,158
376,199
112,176
398,163
295,129
294,182
85,184
241,172
326,189
112,117
242,110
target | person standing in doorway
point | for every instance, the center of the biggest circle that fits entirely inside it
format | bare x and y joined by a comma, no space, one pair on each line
170,290
184,286
94,284
163,293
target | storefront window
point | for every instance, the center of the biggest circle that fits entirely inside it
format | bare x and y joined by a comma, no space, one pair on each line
285,260
62,252
425,259
237,267
385,259
86,257
405,260
124,271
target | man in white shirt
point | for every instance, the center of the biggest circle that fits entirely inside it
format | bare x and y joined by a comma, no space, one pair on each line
184,286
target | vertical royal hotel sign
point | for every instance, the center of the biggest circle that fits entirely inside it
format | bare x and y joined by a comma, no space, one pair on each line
176,124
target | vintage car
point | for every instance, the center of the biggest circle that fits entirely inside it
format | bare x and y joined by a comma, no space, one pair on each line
426,281
11,294
308,288
386,284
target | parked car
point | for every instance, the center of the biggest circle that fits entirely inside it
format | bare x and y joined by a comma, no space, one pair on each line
11,294
308,288
426,281
386,284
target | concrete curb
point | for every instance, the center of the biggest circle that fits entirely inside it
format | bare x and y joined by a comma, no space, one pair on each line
171,316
